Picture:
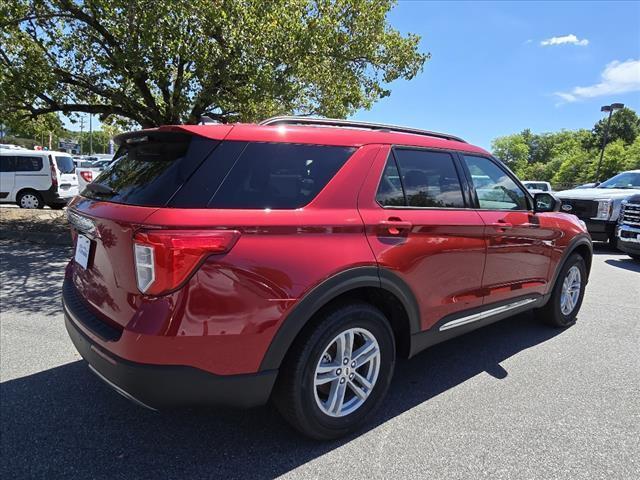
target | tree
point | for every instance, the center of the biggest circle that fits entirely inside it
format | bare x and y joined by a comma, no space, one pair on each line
511,149
17,125
625,126
632,155
157,63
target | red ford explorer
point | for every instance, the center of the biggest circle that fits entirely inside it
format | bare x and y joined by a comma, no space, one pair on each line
298,258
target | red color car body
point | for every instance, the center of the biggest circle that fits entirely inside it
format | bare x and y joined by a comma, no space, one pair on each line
233,287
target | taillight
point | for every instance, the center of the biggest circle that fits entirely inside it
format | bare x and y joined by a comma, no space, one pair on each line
164,259
87,175
54,174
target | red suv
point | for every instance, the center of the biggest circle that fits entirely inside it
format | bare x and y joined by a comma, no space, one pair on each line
297,258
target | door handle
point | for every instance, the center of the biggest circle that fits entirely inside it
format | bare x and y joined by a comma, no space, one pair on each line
501,225
394,226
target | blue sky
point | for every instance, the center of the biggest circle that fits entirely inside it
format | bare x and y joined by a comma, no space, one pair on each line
489,75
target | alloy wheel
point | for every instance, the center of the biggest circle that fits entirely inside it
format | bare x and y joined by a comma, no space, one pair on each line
570,290
347,372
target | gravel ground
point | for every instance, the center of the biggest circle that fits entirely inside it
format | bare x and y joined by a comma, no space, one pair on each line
41,226
513,400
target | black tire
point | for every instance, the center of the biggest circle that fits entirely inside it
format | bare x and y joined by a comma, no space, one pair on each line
33,197
634,257
552,313
57,206
295,392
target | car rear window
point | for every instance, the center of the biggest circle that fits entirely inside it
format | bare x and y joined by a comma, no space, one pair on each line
255,175
149,169
65,164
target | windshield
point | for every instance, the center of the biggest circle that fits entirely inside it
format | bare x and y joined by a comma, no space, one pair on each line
65,164
622,180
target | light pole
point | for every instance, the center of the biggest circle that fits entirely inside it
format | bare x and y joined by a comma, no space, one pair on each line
610,109
81,132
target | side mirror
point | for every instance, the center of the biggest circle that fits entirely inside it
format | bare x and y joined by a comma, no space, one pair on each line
546,202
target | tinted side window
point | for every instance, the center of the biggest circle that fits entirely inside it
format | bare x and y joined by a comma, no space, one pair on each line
390,191
494,188
7,163
279,175
28,164
429,179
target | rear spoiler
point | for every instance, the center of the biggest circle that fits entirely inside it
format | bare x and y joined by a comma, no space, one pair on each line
213,131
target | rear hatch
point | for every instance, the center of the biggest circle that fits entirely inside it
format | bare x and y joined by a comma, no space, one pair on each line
150,168
67,178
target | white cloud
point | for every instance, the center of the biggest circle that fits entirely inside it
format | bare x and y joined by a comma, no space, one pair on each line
617,77
565,39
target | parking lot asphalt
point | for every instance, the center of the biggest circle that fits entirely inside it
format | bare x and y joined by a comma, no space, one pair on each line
516,399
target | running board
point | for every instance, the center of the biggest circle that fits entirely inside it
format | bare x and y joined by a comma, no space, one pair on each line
486,314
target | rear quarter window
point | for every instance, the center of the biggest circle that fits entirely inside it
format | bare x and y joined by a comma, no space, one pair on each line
278,175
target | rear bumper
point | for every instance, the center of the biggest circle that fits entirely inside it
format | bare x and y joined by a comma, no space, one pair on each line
52,196
165,386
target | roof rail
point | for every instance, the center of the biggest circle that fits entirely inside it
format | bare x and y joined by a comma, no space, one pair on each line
334,122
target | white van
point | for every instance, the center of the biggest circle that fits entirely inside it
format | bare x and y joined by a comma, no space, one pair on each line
35,178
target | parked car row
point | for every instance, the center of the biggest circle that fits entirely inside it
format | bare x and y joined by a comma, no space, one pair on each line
35,178
599,206
608,209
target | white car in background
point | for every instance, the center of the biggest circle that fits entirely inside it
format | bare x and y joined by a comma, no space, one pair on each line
535,186
35,178
90,167
86,172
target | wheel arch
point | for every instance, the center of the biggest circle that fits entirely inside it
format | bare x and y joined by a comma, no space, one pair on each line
379,287
25,190
581,245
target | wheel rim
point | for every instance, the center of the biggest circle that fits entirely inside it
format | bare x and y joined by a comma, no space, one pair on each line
570,290
29,201
347,372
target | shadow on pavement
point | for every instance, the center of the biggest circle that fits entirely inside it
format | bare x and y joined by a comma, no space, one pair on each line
64,422
626,263
32,277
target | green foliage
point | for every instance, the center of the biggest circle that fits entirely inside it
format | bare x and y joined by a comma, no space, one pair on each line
625,126
511,149
152,63
19,124
568,158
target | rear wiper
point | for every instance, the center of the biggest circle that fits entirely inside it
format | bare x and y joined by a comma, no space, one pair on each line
99,188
